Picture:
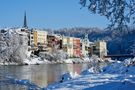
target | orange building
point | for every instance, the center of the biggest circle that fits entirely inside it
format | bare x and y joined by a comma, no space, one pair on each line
76,47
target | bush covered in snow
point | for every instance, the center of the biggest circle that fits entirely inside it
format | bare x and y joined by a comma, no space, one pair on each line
122,67
95,65
56,56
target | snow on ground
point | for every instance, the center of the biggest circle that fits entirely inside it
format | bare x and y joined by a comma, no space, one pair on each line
38,60
35,61
115,76
68,61
97,82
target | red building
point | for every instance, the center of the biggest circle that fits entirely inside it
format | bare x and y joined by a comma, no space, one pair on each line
76,47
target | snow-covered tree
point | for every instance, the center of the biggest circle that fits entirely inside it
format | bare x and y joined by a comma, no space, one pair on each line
13,47
3,49
18,48
118,12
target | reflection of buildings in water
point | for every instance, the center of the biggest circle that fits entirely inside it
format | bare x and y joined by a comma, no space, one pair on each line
77,68
41,75
40,78
74,68
70,68
84,66
50,74
55,71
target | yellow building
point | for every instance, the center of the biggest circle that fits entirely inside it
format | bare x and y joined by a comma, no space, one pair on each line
40,37
70,49
67,44
35,38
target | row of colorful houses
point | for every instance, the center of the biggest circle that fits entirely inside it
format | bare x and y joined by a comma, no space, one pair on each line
74,47
39,40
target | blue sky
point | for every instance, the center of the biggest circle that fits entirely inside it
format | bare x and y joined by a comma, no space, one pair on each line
48,14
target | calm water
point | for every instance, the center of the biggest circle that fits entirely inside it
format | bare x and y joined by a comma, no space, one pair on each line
42,75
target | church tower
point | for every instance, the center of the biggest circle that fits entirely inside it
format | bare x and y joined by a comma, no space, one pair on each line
25,21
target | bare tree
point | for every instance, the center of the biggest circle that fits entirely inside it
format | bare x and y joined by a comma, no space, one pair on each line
119,12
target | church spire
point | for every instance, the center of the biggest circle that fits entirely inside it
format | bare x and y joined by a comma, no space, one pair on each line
25,21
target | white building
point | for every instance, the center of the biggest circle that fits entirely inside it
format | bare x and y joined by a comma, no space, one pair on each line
100,49
85,45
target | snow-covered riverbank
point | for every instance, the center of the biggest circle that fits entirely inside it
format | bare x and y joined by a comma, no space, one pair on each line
116,76
38,60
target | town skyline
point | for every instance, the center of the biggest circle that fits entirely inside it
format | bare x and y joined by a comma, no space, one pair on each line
48,14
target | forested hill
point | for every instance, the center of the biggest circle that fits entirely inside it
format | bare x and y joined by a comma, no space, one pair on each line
118,41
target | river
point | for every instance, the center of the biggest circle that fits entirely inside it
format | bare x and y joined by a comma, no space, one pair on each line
42,75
